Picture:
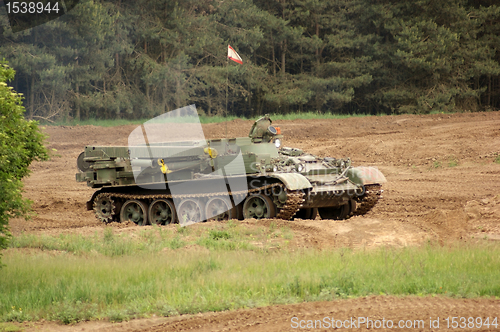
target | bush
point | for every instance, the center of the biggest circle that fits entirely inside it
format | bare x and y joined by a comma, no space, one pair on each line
21,143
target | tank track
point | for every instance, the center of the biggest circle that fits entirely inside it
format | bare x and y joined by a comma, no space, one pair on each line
291,206
293,203
368,201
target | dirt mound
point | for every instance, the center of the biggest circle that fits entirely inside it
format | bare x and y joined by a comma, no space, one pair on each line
484,216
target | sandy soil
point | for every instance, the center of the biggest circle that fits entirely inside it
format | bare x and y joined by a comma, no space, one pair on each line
443,186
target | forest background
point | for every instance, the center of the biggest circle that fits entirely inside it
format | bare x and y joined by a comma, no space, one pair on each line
135,59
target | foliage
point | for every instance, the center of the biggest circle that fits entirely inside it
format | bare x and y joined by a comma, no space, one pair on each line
137,59
20,144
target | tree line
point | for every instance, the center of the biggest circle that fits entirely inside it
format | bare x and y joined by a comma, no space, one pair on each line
137,59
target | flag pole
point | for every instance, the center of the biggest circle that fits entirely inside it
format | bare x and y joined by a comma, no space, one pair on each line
231,54
227,85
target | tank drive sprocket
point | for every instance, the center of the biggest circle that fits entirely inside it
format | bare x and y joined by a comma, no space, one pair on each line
104,208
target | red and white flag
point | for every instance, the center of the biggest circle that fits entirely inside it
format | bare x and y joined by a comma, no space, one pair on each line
231,54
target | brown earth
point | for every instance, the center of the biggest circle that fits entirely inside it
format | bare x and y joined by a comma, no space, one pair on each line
443,186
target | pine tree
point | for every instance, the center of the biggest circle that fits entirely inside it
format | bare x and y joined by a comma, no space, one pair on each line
430,59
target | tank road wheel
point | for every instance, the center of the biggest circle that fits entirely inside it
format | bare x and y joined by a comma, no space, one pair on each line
310,213
189,211
104,208
219,208
258,206
162,212
135,211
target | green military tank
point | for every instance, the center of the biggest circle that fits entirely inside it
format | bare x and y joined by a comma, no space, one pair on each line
194,180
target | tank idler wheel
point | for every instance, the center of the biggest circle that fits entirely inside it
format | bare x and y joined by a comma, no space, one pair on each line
258,206
104,208
135,211
190,211
219,208
309,213
162,212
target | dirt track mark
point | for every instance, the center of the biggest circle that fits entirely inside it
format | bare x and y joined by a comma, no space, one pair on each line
279,318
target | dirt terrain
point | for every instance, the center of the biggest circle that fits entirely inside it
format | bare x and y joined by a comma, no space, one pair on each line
443,186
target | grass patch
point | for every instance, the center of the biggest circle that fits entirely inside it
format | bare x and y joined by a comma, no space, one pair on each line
207,119
314,115
229,236
71,287
219,234
7,327
436,164
497,159
452,162
108,244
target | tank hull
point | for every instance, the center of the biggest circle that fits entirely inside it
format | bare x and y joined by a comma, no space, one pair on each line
245,177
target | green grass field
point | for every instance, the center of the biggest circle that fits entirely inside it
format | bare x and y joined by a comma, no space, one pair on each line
207,119
71,278
217,119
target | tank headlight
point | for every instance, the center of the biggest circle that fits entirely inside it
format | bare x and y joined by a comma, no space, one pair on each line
277,143
299,167
275,168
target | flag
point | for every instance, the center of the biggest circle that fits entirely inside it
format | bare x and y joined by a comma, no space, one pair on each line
231,54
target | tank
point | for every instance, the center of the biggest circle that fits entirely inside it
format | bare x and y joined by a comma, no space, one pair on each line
189,181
